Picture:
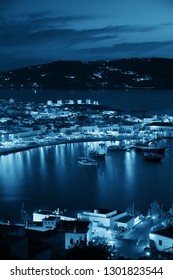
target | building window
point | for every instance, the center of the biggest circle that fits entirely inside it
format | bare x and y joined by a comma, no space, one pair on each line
160,242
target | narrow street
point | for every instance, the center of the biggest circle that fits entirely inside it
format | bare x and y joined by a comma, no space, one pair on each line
133,242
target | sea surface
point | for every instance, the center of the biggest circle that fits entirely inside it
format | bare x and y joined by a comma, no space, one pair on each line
50,177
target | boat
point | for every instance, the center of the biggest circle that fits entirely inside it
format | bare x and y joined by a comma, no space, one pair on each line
139,87
152,156
152,147
96,155
117,148
87,161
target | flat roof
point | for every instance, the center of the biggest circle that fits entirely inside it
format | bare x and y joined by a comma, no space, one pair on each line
43,212
103,211
167,232
74,226
64,212
124,219
160,124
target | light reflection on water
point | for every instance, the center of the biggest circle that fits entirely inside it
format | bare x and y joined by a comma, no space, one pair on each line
50,177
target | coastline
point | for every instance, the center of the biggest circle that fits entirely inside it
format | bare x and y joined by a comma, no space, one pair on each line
16,149
34,145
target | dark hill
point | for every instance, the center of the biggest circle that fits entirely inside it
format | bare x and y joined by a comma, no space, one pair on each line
121,73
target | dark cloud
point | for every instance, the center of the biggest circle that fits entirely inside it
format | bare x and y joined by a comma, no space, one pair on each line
34,28
50,30
168,24
43,19
129,49
40,29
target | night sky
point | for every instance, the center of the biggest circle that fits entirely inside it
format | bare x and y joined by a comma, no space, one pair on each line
41,31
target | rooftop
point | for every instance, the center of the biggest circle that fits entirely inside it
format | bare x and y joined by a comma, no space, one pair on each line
103,211
124,219
74,226
160,124
167,232
44,212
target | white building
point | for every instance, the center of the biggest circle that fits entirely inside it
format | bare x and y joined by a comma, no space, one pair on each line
102,217
105,221
88,101
127,221
129,127
163,239
164,129
89,129
110,129
150,119
76,233
68,130
79,101
49,103
40,215
59,102
51,222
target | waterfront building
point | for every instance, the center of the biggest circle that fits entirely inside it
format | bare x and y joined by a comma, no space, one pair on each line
110,129
165,129
70,101
68,130
129,127
24,134
89,129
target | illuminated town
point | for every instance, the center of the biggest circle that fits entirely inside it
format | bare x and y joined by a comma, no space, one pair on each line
86,136
31,124
97,233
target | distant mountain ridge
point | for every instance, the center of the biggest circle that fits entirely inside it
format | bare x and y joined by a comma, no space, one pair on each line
110,74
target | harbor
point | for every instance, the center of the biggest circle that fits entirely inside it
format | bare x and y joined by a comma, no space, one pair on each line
118,180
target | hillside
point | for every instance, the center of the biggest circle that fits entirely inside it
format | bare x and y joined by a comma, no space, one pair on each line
121,73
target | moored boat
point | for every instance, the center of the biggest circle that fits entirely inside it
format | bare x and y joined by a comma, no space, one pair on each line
117,148
151,147
96,155
87,161
152,156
